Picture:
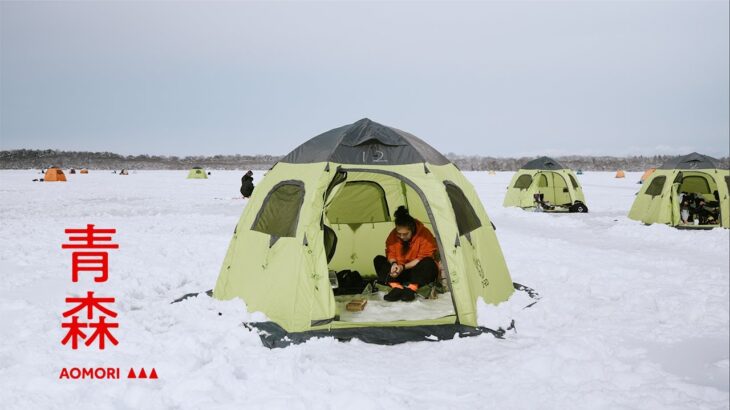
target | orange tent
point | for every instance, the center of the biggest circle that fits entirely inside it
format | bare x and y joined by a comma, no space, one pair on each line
647,173
620,174
84,171
54,175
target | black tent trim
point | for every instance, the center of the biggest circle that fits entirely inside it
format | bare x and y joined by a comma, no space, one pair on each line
274,336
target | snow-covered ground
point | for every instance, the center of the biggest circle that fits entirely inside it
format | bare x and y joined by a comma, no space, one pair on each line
632,316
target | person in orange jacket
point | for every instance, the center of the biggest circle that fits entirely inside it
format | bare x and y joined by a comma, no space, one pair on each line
409,262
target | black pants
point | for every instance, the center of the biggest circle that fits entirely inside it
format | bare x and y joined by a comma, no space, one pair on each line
423,273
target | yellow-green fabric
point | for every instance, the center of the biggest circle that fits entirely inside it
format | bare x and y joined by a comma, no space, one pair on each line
287,278
658,199
197,173
552,184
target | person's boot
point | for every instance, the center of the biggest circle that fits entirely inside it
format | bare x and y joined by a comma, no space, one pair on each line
394,295
408,295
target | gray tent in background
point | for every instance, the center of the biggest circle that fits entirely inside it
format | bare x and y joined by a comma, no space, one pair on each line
691,161
543,163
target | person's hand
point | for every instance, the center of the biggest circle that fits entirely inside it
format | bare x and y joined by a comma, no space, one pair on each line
395,270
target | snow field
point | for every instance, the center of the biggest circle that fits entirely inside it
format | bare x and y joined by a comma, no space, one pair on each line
631,316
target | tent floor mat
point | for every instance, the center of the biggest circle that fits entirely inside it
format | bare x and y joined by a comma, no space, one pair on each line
698,227
274,336
379,310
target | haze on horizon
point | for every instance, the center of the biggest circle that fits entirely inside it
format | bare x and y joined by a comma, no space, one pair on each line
483,78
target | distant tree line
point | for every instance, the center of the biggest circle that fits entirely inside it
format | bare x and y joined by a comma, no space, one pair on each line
41,159
30,159
586,163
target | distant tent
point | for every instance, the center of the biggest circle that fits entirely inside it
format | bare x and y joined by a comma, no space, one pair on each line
197,173
646,174
54,175
579,172
84,171
124,172
72,171
690,178
555,185
492,173
620,174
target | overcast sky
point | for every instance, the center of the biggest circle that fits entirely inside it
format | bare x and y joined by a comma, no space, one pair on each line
489,78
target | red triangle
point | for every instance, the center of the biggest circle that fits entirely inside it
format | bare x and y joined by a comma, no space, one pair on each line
142,374
153,374
131,374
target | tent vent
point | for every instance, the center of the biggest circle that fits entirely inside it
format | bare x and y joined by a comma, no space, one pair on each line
305,242
327,167
456,242
273,240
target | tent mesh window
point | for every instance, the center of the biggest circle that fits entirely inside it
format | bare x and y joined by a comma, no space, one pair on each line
359,202
695,184
727,182
523,182
466,219
279,213
573,181
656,186
542,181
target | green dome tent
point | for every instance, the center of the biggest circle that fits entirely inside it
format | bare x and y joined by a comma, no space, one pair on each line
558,185
328,205
693,176
197,173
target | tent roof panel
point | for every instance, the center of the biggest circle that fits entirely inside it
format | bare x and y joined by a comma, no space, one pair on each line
366,141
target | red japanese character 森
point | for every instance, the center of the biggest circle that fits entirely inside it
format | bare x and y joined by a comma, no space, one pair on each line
101,327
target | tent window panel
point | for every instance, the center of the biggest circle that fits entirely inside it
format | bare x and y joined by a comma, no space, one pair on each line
466,218
696,184
523,182
656,187
359,202
727,182
573,181
279,214
542,181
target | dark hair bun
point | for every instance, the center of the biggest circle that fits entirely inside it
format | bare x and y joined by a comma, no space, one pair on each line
402,211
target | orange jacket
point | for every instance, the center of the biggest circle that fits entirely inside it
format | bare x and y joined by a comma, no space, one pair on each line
423,245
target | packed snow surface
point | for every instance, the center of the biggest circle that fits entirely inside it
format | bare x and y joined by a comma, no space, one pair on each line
631,316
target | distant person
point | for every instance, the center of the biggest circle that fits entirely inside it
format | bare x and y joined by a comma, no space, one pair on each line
208,172
247,184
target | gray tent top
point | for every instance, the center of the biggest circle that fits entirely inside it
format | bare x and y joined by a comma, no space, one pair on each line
543,163
365,142
691,161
